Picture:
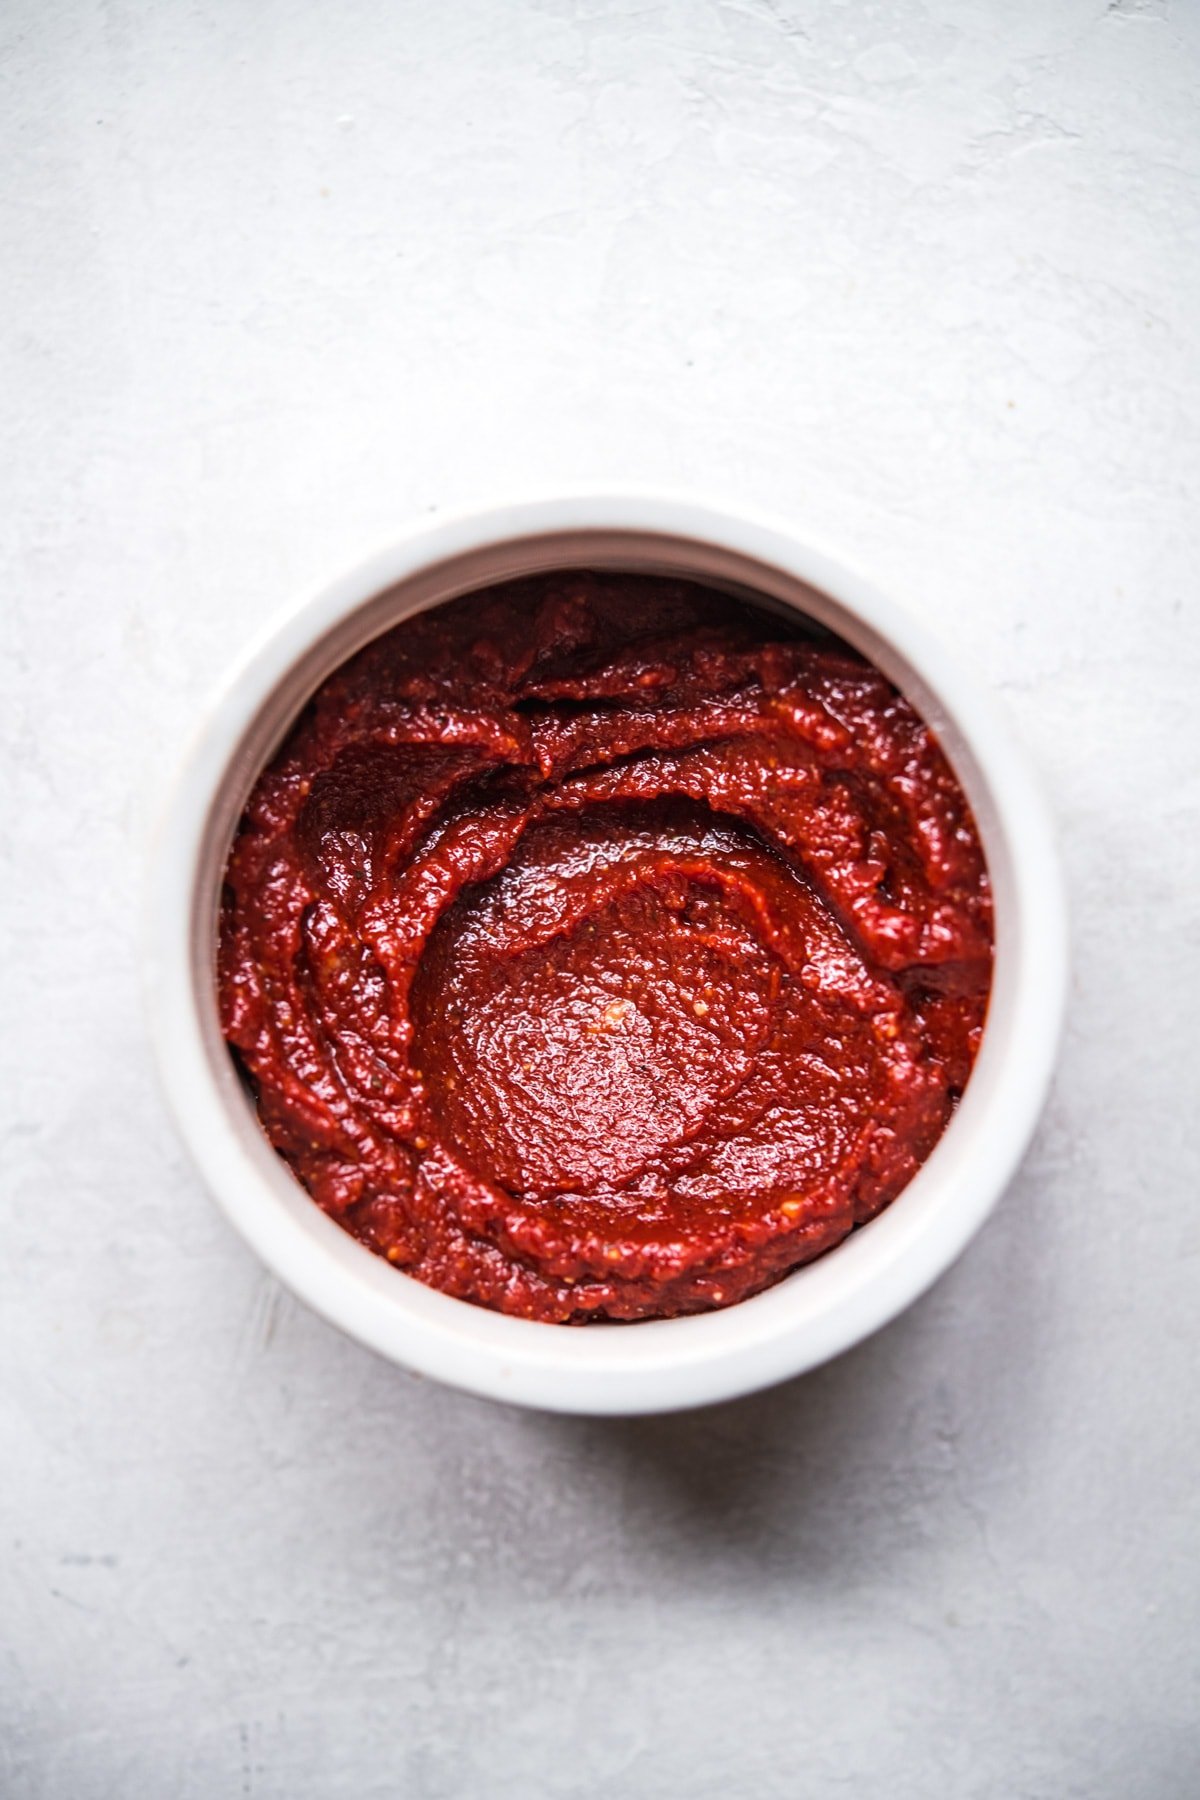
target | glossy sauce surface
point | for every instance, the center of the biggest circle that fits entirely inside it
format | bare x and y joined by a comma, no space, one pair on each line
598,946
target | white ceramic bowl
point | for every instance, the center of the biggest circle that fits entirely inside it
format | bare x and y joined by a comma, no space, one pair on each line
655,1365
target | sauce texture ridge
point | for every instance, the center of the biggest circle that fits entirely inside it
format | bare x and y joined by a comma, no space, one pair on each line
600,947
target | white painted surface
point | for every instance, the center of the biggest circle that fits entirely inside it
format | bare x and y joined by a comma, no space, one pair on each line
279,278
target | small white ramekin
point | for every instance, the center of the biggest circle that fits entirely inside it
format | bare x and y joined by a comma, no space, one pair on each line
656,1365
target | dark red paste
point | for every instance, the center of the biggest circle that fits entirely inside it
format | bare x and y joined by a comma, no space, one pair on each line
600,947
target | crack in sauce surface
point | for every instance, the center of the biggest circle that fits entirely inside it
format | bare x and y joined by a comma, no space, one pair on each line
600,947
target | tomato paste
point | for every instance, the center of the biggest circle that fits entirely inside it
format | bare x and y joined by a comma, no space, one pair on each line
599,946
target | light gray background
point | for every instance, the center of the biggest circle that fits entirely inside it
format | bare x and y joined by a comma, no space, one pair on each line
280,278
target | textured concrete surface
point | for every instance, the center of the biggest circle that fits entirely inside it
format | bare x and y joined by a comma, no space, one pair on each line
279,278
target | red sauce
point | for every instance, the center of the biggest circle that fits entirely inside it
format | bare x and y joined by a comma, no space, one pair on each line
600,947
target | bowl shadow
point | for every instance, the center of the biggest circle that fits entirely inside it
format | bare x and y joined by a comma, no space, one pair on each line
890,1453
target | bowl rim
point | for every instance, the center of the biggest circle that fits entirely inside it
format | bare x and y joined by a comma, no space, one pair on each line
653,1365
